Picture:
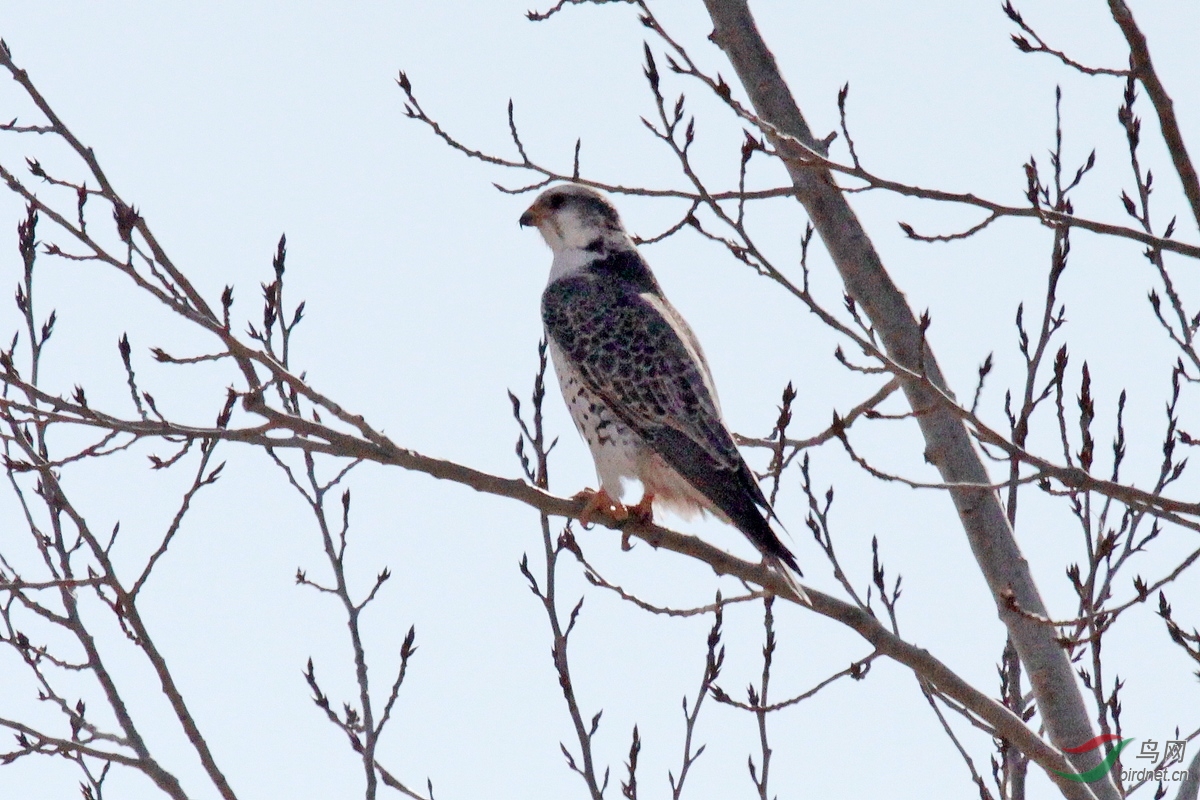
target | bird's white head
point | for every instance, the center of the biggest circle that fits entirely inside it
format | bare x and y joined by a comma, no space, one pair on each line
574,218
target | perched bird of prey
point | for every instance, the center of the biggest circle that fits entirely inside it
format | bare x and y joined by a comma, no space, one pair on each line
635,379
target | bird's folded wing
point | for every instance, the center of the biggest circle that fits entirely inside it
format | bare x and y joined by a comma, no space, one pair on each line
631,353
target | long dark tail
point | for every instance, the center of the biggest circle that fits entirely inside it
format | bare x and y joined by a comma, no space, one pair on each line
732,491
790,576
745,508
743,502
751,521
758,530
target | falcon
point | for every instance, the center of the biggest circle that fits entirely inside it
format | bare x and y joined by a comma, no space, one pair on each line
635,379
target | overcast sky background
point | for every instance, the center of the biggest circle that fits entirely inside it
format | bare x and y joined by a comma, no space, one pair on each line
227,124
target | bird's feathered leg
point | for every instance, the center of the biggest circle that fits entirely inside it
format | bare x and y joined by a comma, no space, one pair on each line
643,512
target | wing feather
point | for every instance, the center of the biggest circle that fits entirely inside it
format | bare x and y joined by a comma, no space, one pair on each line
632,349
631,352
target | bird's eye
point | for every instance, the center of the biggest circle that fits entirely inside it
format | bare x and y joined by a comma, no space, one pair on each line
556,202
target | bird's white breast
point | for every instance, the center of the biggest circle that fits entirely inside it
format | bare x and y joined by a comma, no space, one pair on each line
615,448
569,261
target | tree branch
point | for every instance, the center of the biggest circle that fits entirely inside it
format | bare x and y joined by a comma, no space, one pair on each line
1143,69
948,443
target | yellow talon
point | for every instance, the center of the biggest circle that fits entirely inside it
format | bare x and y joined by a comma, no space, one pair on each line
599,501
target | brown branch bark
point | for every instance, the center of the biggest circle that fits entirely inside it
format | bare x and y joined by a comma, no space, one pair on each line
1190,788
137,625
948,442
1143,70
1047,216
926,666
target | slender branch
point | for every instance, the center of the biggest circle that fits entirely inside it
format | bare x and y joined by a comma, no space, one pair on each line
713,661
975,778
948,445
595,579
857,670
1039,46
805,156
1143,68
760,698
832,432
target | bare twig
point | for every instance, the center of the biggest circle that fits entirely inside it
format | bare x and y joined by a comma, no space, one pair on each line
1143,69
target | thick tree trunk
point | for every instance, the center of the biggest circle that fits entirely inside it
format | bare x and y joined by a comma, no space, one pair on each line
948,443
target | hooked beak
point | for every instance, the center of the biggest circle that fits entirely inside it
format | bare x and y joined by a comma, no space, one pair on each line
532,216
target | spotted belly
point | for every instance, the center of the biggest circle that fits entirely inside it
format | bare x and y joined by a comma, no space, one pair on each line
619,452
616,449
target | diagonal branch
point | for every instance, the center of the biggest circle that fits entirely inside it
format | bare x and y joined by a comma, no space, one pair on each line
948,443
864,622
1143,70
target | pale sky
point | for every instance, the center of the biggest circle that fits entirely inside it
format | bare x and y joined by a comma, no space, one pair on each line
227,124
